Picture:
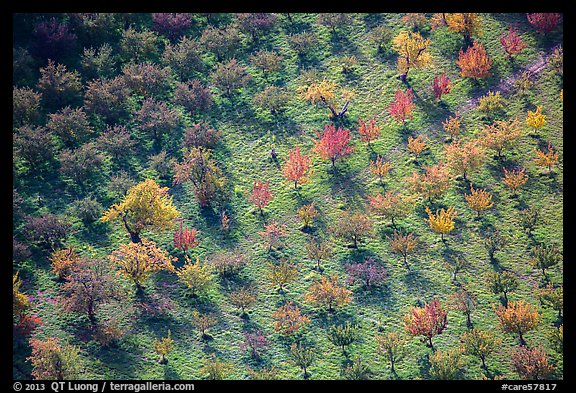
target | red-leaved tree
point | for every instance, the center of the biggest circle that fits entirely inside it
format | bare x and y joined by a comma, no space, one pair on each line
186,238
261,194
296,167
544,22
512,43
441,85
427,321
402,106
333,143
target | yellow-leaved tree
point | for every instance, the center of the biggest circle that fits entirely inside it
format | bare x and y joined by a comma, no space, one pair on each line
411,48
442,221
145,206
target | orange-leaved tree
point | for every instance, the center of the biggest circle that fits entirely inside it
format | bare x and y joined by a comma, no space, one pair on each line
368,132
261,194
464,157
519,317
474,62
296,169
546,159
328,292
402,106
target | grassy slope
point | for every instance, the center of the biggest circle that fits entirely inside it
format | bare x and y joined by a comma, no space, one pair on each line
248,136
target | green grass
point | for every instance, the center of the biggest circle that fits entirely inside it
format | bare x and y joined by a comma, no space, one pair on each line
248,135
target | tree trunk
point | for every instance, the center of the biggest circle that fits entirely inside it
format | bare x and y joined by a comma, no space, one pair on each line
483,358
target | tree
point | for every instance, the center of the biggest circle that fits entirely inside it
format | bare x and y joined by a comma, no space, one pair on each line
357,371
545,256
273,234
368,132
89,284
334,20
490,103
23,322
442,221
552,296
467,23
203,322
464,157
186,238
381,36
268,62
70,125
34,146
172,25
411,48
512,43
500,135
199,168
325,92
464,302
307,213
228,263
519,317
163,346
52,360
230,76
98,63
480,343
455,265
289,320
302,356
502,282
318,251
333,143
297,167
25,106
514,179
273,98
343,335
546,159
82,163
243,298
427,321
368,273
354,227
137,261
532,363
303,43
196,276
536,119
441,85
417,145
452,125
529,217
148,79
53,39
403,244
193,96
256,23
260,195
256,342
391,205
328,292
145,206
479,200
157,119
402,106
139,45
433,183
117,141
379,167
474,62
282,274
494,241
446,364
59,87
393,345
215,369
222,42
544,22
107,98
48,230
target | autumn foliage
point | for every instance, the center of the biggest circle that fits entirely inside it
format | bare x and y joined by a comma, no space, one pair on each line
328,292
532,363
296,169
427,321
441,85
411,48
512,43
289,320
185,238
474,62
442,221
261,194
333,143
368,132
519,317
402,106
